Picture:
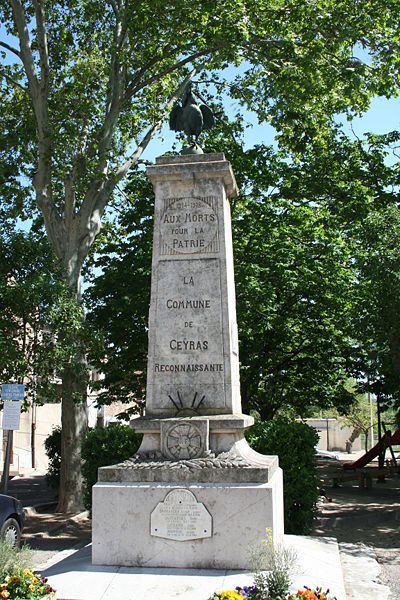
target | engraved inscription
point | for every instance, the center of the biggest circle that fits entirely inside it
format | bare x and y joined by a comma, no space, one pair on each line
180,517
188,340
189,226
188,368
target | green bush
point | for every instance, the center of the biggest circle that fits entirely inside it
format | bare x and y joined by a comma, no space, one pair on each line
105,446
294,443
52,446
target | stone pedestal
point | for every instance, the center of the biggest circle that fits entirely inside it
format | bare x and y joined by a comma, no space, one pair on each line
196,495
239,512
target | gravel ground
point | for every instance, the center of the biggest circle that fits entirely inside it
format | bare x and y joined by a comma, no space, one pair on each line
368,518
49,533
389,560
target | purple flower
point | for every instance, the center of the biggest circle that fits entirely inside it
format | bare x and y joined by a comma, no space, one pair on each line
248,591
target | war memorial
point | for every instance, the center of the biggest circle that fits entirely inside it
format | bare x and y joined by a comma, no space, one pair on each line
196,495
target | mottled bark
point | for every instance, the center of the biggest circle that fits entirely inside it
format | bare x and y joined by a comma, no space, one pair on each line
73,414
74,426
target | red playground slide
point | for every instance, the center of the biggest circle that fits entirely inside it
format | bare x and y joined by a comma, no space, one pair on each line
387,440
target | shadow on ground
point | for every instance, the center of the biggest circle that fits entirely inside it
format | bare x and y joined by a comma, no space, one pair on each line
356,514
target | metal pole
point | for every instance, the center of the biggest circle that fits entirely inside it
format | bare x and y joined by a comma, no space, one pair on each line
381,457
33,431
6,470
327,435
371,418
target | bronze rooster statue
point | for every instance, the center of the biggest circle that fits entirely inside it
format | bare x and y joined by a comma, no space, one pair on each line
191,117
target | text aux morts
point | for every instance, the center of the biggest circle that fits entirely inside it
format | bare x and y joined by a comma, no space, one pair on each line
179,224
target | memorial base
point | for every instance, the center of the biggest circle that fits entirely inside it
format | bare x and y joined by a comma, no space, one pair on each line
240,514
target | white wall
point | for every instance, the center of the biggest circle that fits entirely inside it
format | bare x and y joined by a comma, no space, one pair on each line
332,436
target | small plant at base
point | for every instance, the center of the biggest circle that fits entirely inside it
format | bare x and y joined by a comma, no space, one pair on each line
272,566
13,559
25,586
249,592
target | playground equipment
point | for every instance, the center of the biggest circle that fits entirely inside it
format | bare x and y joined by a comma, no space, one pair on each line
386,441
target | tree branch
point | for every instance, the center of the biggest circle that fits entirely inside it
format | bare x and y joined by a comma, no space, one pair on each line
39,91
42,43
124,168
100,190
134,89
12,81
113,108
71,177
25,47
11,49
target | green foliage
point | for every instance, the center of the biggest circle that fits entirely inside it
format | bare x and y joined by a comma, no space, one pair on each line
40,322
28,291
294,443
376,322
52,446
112,68
118,301
293,290
105,446
14,560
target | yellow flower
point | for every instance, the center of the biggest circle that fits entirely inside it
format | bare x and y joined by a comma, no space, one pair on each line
4,586
35,579
15,579
4,594
31,587
230,595
27,572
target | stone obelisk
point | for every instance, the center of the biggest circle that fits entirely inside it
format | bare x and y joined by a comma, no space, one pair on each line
196,495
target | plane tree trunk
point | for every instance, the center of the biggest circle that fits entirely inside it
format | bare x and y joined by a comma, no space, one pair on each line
73,414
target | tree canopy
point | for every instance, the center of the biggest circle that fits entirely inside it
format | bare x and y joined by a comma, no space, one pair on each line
303,264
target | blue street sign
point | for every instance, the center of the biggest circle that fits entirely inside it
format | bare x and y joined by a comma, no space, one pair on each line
12,391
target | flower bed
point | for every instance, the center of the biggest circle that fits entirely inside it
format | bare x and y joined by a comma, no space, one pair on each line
26,585
252,592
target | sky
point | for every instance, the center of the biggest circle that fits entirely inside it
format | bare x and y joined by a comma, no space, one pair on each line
382,117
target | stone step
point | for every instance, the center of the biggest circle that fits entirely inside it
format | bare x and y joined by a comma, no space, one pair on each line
74,576
361,573
319,564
